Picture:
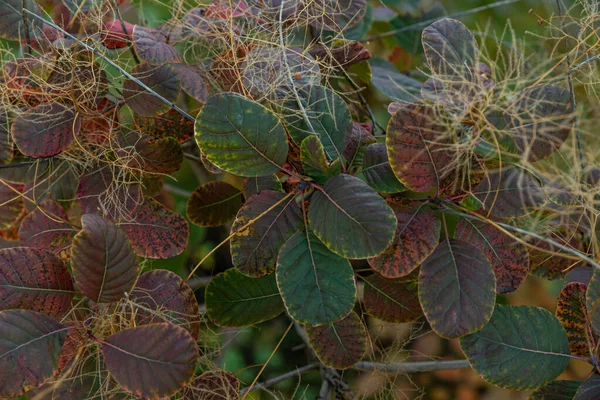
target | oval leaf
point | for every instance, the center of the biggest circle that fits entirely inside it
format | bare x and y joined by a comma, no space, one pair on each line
254,250
416,237
155,367
457,289
449,48
104,264
392,300
46,228
241,136
34,280
11,19
150,154
192,81
572,314
234,299
511,353
317,285
213,204
162,80
213,385
155,231
351,219
589,389
152,47
557,390
378,172
417,143
29,350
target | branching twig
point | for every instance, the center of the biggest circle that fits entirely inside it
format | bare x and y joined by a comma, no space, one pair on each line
283,377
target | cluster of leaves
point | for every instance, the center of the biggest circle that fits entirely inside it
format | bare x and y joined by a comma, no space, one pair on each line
86,156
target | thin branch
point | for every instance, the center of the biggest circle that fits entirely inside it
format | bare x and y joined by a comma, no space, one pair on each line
283,377
26,28
412,367
129,43
178,191
108,60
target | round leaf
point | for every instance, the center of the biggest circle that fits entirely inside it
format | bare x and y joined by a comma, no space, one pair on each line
29,350
150,154
156,366
11,19
520,348
378,172
234,299
255,185
155,231
163,80
449,48
457,289
317,285
572,314
104,264
46,228
241,136
392,300
351,219
152,47
213,204
417,141
192,81
416,237
341,344
34,280
254,250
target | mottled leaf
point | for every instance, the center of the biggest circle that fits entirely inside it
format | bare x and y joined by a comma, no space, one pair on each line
6,142
323,113
557,390
155,231
393,84
169,124
155,367
103,262
521,348
572,314
509,258
257,184
418,141
548,262
29,349
317,285
152,47
416,237
47,227
358,137
162,80
45,130
241,136
589,389
213,204
510,192
592,300
340,344
36,280
378,172
11,203
449,48
314,161
163,296
392,300
335,15
150,154
234,299
254,250
54,180
11,19
351,219
457,289
192,81
213,385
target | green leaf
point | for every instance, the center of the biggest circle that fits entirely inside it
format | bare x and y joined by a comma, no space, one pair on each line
241,136
378,172
323,113
103,262
592,300
34,280
392,300
351,219
340,344
393,84
314,161
317,285
457,289
449,48
11,19
257,184
589,389
572,313
213,204
418,141
29,350
521,348
510,192
357,140
163,361
254,250
234,299
509,258
416,237
163,80
557,390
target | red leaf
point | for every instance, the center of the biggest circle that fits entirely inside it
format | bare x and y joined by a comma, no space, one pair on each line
113,36
46,228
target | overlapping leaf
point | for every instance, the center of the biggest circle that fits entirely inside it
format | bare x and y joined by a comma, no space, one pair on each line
314,161
213,204
417,141
254,250
12,26
557,390
103,262
547,262
457,289
29,350
163,296
393,84
192,81
254,185
234,299
169,124
241,136
450,48
416,237
34,280
152,47
358,137
509,258
11,203
162,80
46,228
335,16
511,353
340,344
150,154
213,385
317,285
351,219
572,313
155,231
588,389
392,300
155,367
592,300
378,172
